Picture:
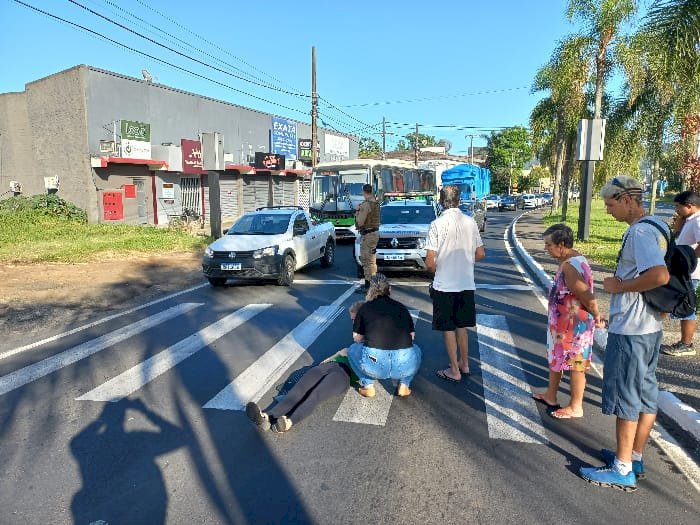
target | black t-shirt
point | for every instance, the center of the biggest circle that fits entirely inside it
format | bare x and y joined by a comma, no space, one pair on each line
385,323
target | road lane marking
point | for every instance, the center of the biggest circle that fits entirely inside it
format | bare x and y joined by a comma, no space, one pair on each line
30,373
258,378
511,413
20,349
130,381
358,409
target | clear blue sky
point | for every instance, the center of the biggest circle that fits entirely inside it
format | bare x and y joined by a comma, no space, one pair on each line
368,53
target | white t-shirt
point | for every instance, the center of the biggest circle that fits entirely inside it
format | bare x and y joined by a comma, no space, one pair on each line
690,236
454,237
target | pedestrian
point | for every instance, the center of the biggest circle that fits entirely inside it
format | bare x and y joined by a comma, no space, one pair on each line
572,315
383,332
330,378
686,227
452,248
630,389
367,223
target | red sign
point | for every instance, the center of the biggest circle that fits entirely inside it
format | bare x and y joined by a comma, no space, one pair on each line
191,156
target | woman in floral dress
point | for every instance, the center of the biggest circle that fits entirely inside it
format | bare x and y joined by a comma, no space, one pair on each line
572,316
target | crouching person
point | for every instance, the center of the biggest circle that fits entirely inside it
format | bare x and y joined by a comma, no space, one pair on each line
383,332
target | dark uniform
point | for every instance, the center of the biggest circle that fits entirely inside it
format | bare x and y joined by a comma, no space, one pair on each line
367,221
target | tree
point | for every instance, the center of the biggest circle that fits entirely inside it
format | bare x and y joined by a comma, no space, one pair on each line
369,148
508,151
424,141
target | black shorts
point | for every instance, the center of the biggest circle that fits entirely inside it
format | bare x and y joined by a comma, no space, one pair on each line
452,310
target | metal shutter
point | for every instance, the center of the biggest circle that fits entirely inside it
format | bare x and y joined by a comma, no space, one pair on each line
256,191
283,191
228,184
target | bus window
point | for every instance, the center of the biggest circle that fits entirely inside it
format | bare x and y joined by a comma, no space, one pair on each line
398,180
387,180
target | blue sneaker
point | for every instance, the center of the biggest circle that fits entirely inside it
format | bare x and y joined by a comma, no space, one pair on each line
609,477
608,456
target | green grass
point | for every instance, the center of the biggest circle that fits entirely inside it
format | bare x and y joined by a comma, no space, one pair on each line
32,238
605,233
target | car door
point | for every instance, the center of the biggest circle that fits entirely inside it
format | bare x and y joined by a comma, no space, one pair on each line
301,240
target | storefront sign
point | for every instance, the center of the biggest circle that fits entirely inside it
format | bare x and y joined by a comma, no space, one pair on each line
168,190
269,161
305,150
284,137
135,139
337,148
191,156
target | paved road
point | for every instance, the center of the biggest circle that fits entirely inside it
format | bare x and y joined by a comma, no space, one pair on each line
138,420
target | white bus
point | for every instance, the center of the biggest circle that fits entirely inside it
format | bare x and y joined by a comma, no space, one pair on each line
336,187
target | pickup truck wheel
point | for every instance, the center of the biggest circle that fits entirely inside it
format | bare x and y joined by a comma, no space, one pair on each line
287,276
328,255
217,281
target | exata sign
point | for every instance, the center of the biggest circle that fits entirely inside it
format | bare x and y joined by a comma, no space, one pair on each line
191,156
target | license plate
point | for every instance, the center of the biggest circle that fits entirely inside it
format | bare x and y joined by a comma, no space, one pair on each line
230,266
393,257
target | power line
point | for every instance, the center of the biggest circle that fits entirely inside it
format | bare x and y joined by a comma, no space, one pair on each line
439,97
140,35
164,32
156,58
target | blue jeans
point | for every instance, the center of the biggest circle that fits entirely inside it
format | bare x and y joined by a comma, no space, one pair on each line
373,363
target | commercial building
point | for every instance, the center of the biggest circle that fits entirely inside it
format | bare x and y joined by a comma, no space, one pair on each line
130,151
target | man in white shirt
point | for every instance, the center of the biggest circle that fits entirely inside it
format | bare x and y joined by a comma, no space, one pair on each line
453,246
687,230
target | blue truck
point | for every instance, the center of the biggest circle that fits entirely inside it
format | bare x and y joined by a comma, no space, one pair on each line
474,182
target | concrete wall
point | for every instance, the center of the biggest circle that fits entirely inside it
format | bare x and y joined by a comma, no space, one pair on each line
174,114
15,145
114,177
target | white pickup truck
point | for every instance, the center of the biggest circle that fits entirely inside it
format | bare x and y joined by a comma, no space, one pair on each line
269,243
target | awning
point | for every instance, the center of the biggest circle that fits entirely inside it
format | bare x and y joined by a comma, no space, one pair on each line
153,165
250,170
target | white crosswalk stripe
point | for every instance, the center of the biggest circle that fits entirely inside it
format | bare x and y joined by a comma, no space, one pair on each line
259,377
138,376
51,364
511,413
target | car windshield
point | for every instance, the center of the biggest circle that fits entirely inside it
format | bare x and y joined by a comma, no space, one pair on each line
467,208
407,214
260,224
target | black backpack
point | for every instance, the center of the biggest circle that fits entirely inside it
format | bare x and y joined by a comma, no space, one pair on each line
677,297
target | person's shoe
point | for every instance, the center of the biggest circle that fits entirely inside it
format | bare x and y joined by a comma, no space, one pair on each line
607,476
403,390
257,416
608,456
282,424
367,391
678,349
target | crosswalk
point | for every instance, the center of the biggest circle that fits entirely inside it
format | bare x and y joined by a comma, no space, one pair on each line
511,414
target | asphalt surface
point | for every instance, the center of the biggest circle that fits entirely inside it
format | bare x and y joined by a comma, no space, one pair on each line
478,451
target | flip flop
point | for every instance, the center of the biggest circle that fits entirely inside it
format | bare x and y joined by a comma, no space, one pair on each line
539,399
556,414
442,375
462,372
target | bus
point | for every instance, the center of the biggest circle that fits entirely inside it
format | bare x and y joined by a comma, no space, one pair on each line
336,188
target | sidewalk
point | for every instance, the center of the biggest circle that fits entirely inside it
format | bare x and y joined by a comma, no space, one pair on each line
677,375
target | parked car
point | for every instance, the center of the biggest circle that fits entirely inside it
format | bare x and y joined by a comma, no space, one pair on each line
492,201
475,210
547,198
269,243
510,202
529,201
402,235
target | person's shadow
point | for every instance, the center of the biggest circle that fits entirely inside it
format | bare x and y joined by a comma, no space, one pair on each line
118,468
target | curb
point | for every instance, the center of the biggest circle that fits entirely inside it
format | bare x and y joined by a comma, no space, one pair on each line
686,417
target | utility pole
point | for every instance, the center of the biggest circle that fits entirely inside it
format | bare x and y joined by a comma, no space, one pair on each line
314,107
415,149
383,138
471,148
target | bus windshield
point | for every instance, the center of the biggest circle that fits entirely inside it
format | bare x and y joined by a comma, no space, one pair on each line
324,186
351,181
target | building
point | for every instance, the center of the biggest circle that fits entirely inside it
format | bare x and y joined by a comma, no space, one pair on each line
130,151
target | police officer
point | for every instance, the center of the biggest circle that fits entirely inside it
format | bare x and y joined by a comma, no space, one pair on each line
367,221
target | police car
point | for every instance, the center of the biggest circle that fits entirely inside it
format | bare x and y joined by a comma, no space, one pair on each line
405,219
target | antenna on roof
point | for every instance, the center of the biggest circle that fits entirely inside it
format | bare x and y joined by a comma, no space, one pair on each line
146,75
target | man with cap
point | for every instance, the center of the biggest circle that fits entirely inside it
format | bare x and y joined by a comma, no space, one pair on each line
367,223
687,230
630,390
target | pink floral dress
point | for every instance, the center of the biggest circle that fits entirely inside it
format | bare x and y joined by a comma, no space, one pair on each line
570,325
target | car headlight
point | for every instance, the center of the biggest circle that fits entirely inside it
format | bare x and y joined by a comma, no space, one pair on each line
265,252
421,242
209,252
